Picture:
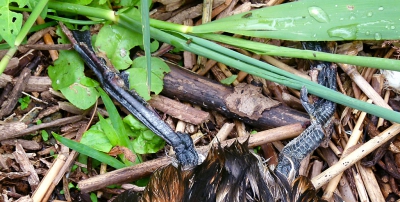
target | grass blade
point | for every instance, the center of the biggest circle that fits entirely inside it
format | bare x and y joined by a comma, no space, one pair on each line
266,49
83,149
144,6
116,120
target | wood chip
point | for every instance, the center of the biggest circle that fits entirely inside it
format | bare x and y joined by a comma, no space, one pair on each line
26,166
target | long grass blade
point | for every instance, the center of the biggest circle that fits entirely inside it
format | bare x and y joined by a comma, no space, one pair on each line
86,150
116,120
144,6
266,49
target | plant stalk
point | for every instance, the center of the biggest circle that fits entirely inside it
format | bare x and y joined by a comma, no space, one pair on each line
22,34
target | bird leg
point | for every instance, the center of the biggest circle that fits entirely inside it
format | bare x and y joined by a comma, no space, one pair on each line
114,85
320,113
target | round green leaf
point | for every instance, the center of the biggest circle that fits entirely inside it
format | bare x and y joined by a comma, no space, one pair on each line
116,42
81,96
67,69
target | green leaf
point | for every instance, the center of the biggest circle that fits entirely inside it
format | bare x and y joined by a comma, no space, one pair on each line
93,197
127,3
133,123
229,80
116,120
145,140
138,76
11,23
83,149
116,42
81,96
70,185
109,131
148,142
24,101
67,69
154,45
45,135
68,77
86,81
97,140
63,39
315,20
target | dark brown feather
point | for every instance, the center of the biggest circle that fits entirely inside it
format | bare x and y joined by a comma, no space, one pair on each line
227,174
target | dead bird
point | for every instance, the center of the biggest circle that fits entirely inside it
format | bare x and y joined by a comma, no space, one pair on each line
227,174
235,174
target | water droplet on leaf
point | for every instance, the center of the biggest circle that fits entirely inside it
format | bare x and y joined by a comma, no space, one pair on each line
380,8
318,14
346,32
392,27
378,36
370,14
367,33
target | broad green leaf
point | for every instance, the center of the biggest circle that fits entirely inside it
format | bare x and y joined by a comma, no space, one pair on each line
97,140
10,25
83,149
81,96
154,46
67,69
63,39
138,76
67,76
133,123
145,140
86,81
116,42
229,80
11,22
315,20
148,142
128,3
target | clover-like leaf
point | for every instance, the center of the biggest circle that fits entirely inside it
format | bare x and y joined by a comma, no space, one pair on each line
148,142
10,25
116,42
96,139
67,69
81,96
138,76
